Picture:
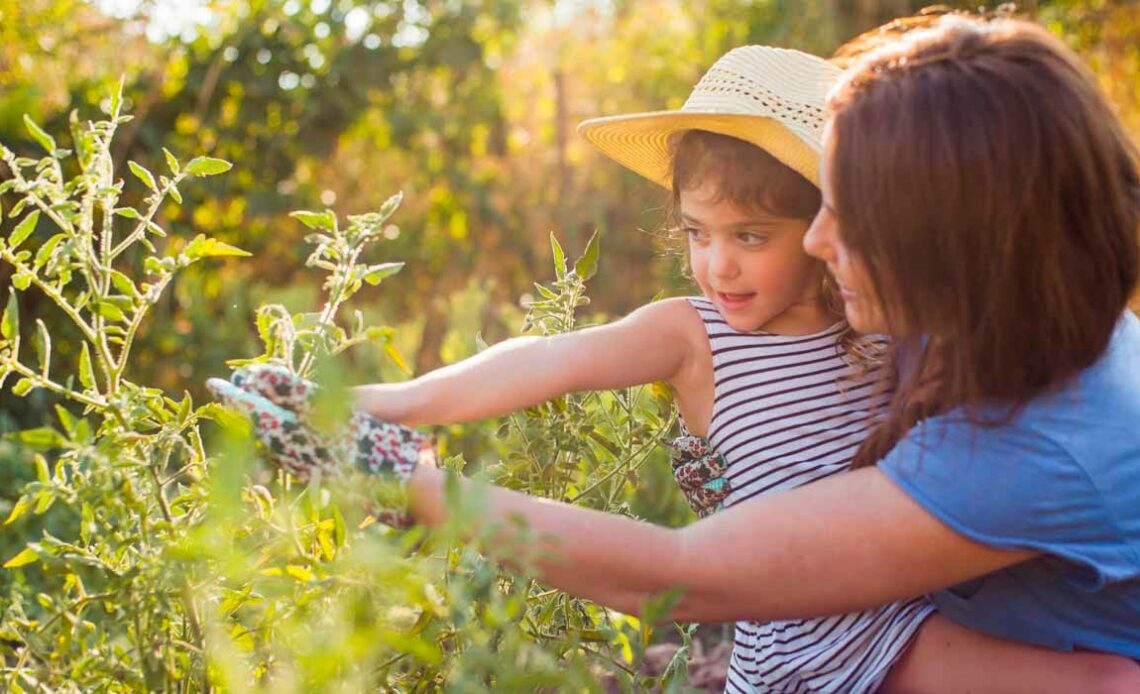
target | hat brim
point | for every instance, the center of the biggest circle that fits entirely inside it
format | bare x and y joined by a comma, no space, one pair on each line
640,141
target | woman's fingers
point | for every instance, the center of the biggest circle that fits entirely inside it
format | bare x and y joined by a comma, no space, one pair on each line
291,446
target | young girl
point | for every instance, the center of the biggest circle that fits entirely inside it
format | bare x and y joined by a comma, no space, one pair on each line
756,366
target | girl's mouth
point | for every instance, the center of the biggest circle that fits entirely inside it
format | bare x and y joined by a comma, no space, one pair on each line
734,300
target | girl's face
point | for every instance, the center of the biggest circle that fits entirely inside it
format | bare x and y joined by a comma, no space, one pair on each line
824,240
752,265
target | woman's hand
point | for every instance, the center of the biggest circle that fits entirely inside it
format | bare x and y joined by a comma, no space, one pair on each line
280,403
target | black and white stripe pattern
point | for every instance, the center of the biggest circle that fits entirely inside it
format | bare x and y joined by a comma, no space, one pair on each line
789,411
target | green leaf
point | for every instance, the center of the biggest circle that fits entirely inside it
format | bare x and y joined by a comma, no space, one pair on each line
128,212
86,522
124,284
559,257
86,372
116,99
46,141
379,332
207,166
377,273
395,356
43,346
391,204
587,265
143,175
42,473
45,251
82,139
185,408
264,331
300,573
205,247
18,510
22,387
171,161
110,311
10,323
83,432
24,229
26,556
43,437
325,221
44,501
177,196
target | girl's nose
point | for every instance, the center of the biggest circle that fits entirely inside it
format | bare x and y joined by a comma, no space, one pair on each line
723,262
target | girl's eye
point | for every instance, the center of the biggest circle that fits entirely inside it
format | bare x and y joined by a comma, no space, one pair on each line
694,234
752,238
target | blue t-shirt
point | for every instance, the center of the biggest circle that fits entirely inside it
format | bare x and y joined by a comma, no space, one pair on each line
1062,477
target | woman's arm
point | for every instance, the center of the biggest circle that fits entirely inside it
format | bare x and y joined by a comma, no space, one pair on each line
651,344
849,542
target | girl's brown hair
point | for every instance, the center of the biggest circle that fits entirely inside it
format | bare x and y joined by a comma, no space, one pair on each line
994,199
746,176
749,178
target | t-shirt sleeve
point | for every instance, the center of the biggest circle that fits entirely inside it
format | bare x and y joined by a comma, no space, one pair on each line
1012,488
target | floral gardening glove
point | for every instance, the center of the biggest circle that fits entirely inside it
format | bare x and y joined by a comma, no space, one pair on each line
699,471
279,404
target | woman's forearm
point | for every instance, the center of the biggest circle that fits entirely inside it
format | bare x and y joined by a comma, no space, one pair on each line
600,556
851,542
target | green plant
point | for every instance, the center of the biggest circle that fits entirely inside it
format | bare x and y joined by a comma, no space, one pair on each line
179,564
115,614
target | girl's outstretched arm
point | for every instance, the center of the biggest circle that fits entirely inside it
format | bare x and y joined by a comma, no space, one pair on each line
946,658
796,554
653,343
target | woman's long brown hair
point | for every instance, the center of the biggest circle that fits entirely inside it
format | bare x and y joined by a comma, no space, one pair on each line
993,197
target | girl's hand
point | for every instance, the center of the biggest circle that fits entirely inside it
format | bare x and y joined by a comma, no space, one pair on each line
699,471
278,403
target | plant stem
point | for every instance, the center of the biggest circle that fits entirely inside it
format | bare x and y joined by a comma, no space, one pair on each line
48,384
626,465
144,224
158,491
51,292
136,321
336,298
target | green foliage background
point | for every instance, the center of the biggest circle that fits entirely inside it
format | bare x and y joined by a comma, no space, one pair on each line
469,108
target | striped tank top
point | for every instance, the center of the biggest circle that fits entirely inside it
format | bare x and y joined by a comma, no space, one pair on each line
789,410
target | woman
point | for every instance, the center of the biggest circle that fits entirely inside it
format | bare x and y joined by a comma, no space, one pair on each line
981,204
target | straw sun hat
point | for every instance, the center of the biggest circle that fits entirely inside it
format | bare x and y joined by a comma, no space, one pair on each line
771,97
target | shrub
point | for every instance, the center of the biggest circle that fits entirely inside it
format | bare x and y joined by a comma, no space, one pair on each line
174,562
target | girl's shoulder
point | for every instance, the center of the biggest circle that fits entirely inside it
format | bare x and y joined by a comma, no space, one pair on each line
667,325
678,316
